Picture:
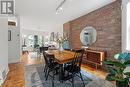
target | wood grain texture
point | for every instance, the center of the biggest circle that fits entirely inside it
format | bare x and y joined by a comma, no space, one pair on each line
62,57
15,76
28,60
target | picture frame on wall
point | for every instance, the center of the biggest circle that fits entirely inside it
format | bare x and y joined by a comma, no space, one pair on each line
9,35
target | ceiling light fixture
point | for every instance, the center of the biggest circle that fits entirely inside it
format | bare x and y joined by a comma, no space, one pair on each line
59,9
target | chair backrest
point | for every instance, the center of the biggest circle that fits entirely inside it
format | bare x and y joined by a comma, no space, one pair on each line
48,59
45,58
41,49
77,58
45,48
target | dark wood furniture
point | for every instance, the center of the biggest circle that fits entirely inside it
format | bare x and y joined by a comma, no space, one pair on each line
61,58
94,57
50,64
69,61
74,67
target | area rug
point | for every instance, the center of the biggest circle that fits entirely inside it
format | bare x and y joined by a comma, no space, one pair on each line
34,77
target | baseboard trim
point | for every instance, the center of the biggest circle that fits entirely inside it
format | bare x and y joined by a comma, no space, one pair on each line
2,81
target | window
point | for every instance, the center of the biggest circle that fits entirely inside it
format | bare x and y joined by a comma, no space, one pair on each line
128,28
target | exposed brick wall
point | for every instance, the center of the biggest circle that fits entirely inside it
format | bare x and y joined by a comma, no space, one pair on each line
107,22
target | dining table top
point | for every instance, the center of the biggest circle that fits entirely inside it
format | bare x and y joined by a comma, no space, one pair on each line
61,57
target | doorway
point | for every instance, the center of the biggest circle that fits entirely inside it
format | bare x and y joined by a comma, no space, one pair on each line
34,42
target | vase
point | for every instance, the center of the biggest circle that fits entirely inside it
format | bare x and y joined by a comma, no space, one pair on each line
61,48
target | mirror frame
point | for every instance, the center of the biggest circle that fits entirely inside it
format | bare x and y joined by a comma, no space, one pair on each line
82,35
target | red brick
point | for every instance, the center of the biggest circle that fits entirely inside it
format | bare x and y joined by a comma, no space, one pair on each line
107,22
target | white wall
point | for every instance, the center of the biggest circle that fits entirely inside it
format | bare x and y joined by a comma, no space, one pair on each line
32,32
14,44
3,46
124,25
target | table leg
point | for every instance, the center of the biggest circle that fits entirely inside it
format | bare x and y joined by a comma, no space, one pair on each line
61,74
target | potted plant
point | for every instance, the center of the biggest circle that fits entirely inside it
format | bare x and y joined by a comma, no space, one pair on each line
117,73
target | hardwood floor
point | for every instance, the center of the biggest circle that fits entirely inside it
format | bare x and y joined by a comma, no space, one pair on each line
28,59
15,76
99,73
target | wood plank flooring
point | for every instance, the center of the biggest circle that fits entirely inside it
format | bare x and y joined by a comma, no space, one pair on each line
15,76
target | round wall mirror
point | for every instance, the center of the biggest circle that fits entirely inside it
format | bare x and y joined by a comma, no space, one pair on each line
88,36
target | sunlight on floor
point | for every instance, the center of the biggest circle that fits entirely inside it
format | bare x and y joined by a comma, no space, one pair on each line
31,58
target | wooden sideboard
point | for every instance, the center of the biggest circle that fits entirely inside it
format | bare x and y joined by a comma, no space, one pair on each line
94,57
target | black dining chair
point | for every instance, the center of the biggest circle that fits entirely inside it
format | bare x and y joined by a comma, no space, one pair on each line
50,65
41,49
74,67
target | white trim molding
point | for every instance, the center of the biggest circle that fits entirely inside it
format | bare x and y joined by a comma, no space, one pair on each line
125,32
3,79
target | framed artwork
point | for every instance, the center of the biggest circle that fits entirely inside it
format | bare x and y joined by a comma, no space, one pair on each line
9,35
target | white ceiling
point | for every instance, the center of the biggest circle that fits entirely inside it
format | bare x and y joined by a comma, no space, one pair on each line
40,14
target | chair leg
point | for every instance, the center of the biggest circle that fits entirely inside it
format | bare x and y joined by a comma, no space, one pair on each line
52,83
47,74
73,81
53,79
45,68
56,71
82,79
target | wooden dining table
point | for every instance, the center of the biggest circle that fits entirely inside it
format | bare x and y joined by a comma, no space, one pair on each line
62,58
